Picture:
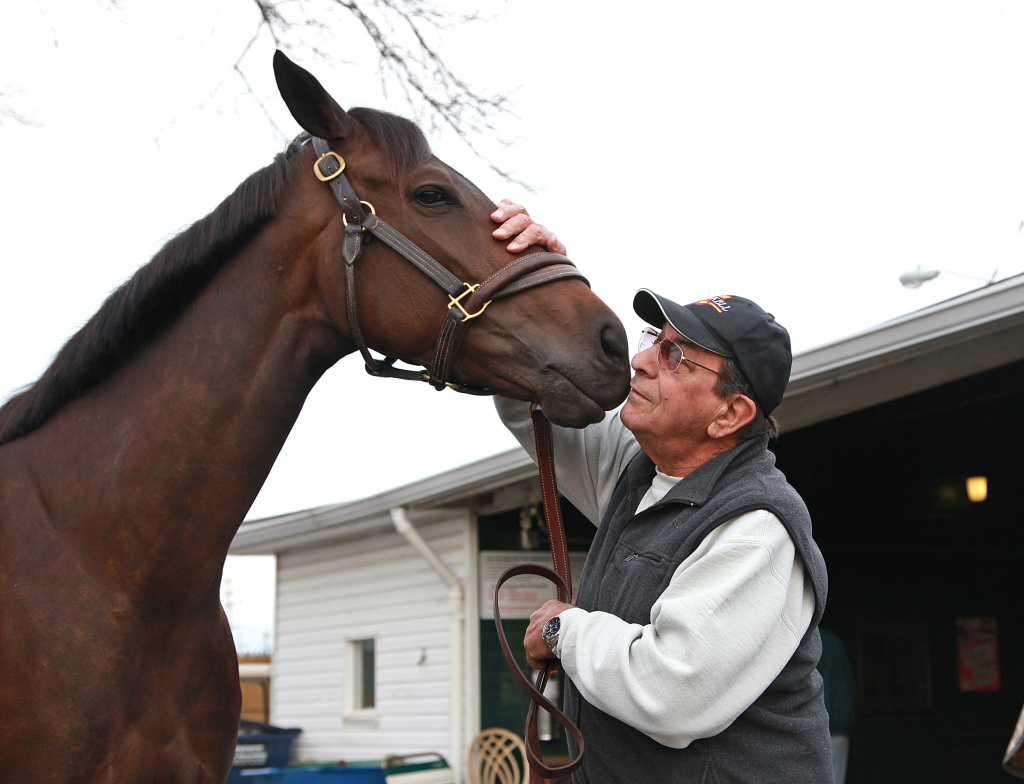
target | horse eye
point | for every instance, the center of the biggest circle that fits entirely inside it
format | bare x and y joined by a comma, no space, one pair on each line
431,196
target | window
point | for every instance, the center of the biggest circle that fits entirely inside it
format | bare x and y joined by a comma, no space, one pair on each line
362,676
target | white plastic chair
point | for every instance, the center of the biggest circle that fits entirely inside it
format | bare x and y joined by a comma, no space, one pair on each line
497,756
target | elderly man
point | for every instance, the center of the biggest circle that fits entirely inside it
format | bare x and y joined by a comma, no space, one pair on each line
691,649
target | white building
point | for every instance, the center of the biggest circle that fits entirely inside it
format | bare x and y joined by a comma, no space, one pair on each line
355,592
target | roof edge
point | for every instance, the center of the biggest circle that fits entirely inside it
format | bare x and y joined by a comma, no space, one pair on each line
271,534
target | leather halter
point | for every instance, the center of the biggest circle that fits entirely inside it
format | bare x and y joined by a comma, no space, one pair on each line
466,301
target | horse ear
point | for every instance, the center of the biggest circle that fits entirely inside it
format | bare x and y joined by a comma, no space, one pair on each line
310,104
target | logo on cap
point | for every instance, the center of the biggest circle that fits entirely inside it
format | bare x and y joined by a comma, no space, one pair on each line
718,303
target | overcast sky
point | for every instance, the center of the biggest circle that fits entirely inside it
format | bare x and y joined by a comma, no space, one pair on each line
801,154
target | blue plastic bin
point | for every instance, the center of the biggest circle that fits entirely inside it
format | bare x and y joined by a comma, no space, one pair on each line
260,746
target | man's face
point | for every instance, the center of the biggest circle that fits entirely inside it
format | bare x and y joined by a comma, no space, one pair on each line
671,410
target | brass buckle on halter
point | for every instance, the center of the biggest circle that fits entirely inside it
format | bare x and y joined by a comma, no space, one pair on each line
328,177
344,217
425,376
457,302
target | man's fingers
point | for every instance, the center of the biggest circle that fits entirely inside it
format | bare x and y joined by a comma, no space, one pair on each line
507,209
513,225
553,244
527,234
535,234
520,228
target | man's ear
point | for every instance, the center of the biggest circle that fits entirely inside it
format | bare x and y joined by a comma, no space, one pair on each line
736,413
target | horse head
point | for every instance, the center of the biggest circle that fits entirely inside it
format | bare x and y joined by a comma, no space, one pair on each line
555,344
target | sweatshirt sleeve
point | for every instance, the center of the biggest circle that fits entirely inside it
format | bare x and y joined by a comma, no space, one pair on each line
731,618
587,462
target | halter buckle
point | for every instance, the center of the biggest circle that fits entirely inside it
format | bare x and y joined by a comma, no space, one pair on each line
344,217
440,386
328,177
456,302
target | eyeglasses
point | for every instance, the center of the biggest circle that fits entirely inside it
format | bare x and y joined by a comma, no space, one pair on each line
670,354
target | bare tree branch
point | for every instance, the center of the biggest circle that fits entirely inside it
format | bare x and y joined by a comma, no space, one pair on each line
8,112
398,31
403,35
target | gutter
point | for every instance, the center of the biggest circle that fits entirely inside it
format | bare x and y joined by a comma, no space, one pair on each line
457,593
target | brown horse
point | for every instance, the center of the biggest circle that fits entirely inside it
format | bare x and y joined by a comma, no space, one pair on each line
126,469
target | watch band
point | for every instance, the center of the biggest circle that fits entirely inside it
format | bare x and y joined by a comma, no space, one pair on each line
550,632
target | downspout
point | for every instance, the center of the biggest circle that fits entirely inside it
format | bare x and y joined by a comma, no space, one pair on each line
457,593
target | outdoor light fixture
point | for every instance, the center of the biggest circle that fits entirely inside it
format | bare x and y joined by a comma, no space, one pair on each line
977,488
914,278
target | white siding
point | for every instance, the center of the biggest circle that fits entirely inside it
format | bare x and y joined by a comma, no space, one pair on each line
379,587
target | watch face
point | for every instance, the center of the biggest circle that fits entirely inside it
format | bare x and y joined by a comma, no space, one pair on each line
550,632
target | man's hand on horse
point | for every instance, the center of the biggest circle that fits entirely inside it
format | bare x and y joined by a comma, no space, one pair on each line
517,225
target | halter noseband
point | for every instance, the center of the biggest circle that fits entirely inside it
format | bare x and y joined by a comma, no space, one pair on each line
465,301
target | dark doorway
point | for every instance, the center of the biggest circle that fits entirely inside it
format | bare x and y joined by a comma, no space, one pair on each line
923,582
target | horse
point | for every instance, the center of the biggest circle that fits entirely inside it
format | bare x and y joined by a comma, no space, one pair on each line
127,467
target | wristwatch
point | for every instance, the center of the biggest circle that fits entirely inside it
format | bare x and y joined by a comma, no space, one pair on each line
550,632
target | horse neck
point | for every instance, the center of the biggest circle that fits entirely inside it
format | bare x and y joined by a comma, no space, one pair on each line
165,457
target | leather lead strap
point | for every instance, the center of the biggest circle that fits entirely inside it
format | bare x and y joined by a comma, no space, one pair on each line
549,492
561,577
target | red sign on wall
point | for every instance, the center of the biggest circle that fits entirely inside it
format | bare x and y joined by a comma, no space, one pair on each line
978,654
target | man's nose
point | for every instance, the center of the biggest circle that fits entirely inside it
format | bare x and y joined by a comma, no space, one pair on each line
646,360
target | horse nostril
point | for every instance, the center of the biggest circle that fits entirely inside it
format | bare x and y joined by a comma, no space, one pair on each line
613,341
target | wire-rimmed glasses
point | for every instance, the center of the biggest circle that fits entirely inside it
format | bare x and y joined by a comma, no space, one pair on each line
670,353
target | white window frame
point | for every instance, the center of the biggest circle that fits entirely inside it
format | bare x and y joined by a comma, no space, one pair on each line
354,712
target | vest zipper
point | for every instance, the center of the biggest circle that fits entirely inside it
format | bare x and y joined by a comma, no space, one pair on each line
647,556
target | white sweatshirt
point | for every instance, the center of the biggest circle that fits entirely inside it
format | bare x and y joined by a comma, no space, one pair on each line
732,616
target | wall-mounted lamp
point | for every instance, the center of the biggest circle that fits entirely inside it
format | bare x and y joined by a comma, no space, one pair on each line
529,535
977,488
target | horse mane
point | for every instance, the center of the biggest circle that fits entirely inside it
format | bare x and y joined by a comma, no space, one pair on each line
160,290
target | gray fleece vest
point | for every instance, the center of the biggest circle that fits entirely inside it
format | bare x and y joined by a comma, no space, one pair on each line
783,737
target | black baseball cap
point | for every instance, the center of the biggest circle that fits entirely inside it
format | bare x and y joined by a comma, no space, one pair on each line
734,327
